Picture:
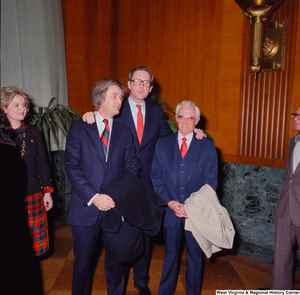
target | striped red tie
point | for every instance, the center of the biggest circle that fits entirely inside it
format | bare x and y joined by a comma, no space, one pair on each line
140,124
105,137
183,148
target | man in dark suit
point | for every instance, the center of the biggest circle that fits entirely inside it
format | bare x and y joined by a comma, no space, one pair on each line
95,155
154,126
140,114
148,123
181,166
287,227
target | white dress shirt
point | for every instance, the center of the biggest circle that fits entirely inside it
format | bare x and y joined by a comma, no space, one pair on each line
189,138
101,126
134,110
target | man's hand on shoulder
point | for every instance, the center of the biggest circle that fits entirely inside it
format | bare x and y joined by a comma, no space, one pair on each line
199,133
89,117
103,202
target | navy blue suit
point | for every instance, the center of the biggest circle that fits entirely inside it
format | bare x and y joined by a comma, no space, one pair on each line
89,174
155,127
176,179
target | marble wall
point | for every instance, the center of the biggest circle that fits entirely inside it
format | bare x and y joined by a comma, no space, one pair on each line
250,194
61,184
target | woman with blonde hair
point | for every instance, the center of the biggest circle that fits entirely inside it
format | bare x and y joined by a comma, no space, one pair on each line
15,105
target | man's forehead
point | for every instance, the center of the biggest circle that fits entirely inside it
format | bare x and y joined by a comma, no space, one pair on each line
114,89
139,73
187,109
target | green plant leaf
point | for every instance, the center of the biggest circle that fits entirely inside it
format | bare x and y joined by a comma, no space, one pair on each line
50,120
51,102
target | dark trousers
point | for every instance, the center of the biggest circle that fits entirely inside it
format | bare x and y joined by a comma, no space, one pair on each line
85,240
141,265
171,261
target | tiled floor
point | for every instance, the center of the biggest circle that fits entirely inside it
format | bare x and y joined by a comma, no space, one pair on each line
223,271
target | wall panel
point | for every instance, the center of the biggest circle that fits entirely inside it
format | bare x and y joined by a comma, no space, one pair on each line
193,48
266,103
197,50
88,28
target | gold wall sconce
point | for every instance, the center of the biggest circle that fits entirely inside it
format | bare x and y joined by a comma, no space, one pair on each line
267,43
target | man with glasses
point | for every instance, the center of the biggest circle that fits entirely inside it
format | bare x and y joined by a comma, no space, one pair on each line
148,123
181,166
287,228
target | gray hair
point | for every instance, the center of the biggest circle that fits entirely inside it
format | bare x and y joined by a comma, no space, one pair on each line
100,90
188,103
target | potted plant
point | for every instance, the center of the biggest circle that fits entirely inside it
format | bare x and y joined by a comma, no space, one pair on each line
51,120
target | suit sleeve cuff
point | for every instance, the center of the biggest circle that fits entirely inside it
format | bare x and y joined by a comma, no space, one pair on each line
91,201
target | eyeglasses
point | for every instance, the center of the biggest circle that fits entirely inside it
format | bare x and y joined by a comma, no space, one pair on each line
137,82
295,115
188,118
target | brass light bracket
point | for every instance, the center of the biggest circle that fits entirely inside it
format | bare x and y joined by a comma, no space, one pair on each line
259,12
274,46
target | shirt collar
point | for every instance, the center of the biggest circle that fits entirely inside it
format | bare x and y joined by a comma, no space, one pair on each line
133,104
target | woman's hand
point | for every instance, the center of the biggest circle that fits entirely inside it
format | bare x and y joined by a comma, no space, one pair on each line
48,202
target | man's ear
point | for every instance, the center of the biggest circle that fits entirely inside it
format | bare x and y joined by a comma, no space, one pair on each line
128,84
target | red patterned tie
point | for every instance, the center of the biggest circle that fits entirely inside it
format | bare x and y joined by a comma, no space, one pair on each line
105,137
183,148
140,124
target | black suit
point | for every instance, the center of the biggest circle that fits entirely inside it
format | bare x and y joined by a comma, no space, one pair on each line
89,174
155,127
35,159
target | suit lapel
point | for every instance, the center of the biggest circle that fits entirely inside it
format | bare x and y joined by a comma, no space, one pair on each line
173,157
114,138
193,150
148,119
126,113
289,165
92,130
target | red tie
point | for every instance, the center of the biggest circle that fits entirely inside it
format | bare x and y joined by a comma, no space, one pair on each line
140,124
183,148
